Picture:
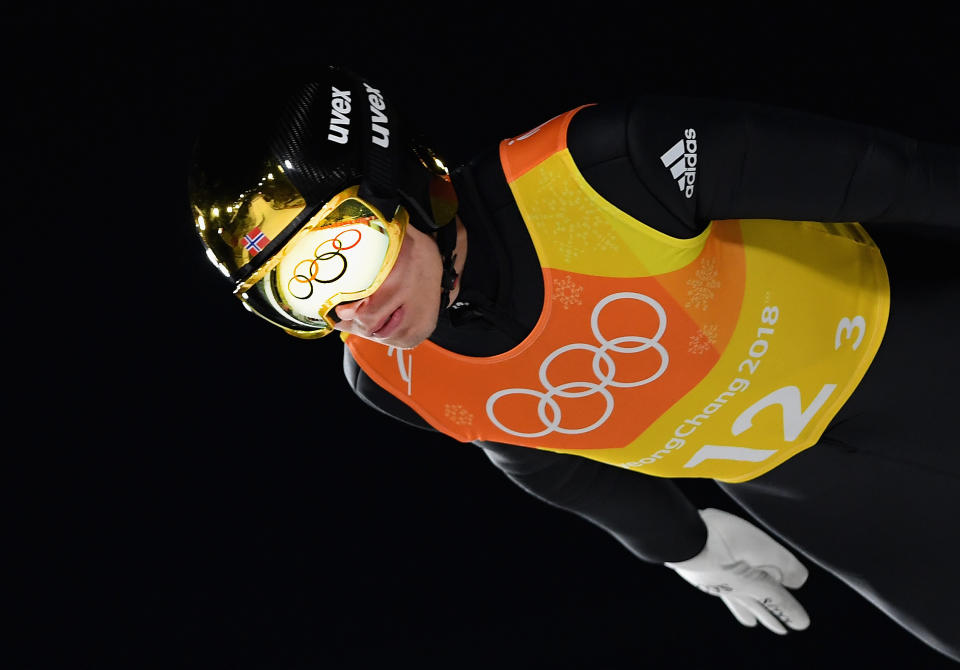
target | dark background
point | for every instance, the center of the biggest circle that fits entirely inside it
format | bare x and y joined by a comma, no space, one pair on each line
193,488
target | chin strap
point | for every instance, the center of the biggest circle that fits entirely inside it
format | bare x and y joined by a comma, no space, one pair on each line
447,242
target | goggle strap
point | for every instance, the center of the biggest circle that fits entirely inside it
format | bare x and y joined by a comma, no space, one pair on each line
419,218
379,185
384,201
275,245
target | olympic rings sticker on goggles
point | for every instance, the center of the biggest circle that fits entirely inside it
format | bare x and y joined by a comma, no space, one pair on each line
342,254
329,262
308,271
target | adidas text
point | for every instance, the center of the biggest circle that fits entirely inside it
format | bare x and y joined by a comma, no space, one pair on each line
339,116
681,158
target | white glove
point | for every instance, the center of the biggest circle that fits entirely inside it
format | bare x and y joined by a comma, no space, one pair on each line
748,570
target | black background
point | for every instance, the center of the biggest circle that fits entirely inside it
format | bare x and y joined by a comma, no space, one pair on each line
193,488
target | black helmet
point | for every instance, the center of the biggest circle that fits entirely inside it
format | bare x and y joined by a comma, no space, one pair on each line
301,188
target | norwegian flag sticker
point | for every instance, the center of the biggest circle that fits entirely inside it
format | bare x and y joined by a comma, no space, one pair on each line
255,241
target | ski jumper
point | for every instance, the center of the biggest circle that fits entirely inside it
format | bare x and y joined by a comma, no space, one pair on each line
797,309
875,499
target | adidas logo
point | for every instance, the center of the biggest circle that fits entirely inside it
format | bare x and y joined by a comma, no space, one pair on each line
681,158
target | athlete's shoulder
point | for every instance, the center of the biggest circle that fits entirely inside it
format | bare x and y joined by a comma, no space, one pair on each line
638,128
627,150
597,133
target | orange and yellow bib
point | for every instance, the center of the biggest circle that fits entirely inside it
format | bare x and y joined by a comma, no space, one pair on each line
719,356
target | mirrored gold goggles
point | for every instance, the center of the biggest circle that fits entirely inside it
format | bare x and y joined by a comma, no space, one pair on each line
342,254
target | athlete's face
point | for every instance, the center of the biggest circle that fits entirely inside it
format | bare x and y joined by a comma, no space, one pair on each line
403,311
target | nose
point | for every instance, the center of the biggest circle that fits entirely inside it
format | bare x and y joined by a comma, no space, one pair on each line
348,310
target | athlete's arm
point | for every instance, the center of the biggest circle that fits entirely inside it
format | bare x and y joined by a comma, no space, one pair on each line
742,160
648,515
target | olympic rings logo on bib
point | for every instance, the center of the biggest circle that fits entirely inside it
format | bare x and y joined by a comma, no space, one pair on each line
582,389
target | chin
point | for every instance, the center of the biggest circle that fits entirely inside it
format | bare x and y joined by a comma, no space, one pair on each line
412,339
408,342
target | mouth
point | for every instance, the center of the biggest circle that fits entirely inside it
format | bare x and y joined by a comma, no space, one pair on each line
388,325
